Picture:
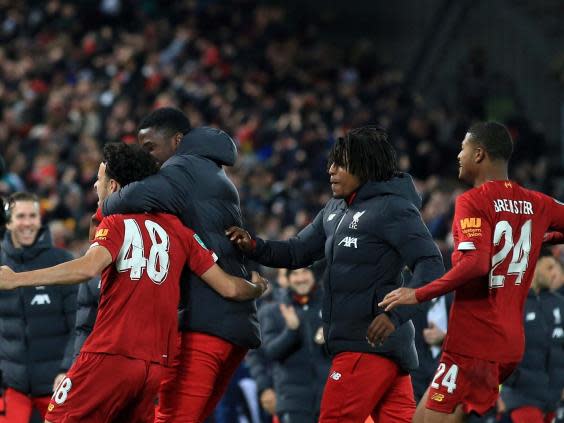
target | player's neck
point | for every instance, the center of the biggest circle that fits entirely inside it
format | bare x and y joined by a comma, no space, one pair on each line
491,174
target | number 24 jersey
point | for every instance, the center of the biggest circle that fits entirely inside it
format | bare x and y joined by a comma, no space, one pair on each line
137,313
506,223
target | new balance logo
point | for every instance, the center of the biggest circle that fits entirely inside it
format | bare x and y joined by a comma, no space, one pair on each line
41,299
335,375
348,241
331,217
356,217
558,333
557,317
438,397
530,316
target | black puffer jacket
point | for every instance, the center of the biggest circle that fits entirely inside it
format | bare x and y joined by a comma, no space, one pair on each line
366,243
36,323
193,185
539,379
87,309
300,365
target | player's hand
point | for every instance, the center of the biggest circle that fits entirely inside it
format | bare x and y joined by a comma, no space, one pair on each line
379,330
261,282
241,238
433,335
400,296
290,316
58,379
7,278
268,401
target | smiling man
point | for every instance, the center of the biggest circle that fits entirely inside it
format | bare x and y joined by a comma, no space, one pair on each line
37,323
498,230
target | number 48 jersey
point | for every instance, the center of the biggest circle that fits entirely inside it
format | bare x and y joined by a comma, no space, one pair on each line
505,223
140,290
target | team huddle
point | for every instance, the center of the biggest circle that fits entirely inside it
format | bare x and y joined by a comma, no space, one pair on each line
176,314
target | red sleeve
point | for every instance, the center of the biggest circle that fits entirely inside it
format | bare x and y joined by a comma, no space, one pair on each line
556,210
472,265
199,258
553,238
109,235
473,238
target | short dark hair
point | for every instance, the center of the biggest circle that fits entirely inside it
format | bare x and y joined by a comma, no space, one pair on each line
127,163
18,197
366,153
167,119
494,138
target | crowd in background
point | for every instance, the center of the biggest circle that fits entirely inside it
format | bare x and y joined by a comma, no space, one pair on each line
74,76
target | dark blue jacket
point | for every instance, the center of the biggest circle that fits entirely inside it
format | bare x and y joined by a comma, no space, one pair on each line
367,244
36,323
193,185
539,379
300,365
87,309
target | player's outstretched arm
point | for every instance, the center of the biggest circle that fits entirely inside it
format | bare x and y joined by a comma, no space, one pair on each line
233,287
95,260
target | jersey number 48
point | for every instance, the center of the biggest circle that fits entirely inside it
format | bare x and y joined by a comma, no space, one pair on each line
132,254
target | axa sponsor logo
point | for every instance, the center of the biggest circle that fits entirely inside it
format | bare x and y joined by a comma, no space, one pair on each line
335,375
349,242
470,222
438,397
356,217
41,299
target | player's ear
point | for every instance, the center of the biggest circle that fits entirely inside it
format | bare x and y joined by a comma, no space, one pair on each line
114,186
479,154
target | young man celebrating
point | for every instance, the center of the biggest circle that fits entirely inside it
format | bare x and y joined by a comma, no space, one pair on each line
498,232
368,233
121,364
193,185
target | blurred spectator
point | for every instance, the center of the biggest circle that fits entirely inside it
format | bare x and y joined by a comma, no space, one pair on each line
431,324
532,392
36,324
293,342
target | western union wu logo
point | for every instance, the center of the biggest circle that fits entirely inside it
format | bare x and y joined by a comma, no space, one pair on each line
101,233
470,222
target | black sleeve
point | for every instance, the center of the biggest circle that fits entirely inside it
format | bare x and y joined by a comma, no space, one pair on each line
278,341
155,193
88,296
260,370
405,231
69,307
299,251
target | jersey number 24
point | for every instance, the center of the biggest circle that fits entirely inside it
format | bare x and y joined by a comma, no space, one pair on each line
520,257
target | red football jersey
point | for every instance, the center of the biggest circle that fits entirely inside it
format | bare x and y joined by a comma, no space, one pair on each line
137,313
506,223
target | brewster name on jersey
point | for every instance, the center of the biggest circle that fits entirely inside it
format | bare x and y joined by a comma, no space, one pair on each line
513,206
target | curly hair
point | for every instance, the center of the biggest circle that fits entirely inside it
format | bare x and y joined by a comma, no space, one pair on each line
128,163
366,153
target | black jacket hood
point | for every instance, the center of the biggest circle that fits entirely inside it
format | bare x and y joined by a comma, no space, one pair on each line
20,255
401,185
211,143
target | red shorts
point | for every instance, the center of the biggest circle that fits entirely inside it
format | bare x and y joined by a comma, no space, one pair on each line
528,414
363,384
105,387
472,382
194,385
